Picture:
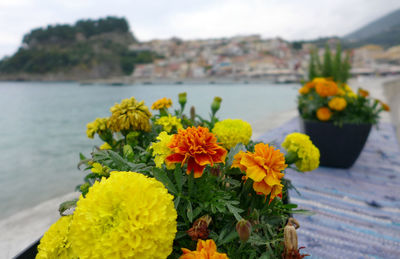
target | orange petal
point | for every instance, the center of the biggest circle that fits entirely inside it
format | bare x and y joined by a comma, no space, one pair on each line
262,187
220,155
256,173
174,158
203,159
196,168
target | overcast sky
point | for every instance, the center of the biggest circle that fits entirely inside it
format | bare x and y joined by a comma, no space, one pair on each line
193,19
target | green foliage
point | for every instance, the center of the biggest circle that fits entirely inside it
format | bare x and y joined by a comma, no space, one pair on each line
62,48
327,70
66,33
337,68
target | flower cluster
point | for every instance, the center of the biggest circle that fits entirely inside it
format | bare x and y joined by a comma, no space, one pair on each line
264,166
198,179
129,115
306,154
232,132
326,100
197,147
169,123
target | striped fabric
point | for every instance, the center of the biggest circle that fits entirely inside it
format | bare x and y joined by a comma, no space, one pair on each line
356,210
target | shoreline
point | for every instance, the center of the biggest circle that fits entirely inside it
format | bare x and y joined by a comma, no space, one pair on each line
128,80
23,228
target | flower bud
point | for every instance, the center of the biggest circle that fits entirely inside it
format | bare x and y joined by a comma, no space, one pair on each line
192,114
84,188
243,227
290,236
128,151
216,104
182,99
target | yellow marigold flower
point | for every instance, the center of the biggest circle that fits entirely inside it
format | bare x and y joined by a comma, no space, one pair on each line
349,92
326,88
324,114
161,150
307,153
105,146
363,92
304,90
232,132
337,103
264,167
97,126
161,104
206,249
55,242
169,122
129,115
127,215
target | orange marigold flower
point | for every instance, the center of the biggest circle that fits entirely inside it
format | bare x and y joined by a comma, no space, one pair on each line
324,114
304,90
206,249
326,88
196,146
161,103
310,84
337,103
264,167
363,92
385,106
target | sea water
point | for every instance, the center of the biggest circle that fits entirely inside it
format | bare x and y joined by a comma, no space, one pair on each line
43,127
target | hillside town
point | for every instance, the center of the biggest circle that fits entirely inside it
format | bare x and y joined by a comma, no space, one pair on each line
249,58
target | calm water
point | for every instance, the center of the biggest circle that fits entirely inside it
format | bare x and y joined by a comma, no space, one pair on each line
43,127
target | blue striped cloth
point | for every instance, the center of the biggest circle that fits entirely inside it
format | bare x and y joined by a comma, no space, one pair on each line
356,210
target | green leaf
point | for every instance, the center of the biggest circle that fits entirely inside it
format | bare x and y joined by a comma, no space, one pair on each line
235,211
190,183
290,206
67,205
230,237
189,212
178,178
81,156
197,211
176,201
180,234
163,177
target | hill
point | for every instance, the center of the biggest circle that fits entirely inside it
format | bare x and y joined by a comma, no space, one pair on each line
89,49
384,31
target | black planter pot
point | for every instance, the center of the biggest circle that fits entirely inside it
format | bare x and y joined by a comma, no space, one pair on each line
339,146
29,252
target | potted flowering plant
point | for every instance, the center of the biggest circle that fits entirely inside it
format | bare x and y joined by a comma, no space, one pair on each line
334,116
169,185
